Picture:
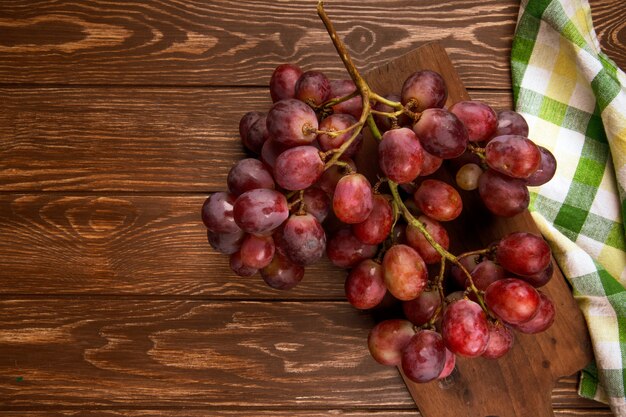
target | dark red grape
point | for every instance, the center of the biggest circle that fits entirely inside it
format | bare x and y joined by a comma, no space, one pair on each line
257,135
448,366
226,243
398,233
441,133
335,123
238,267
329,179
511,123
542,320
217,213
383,122
260,211
313,88
512,300
317,203
281,273
485,273
421,309
249,174
469,262
424,356
246,122
405,272
283,82
512,155
345,250
502,195
353,200
479,119
292,123
342,88
298,168
365,286
501,340
303,239
270,151
400,155
387,339
438,200
375,229
424,90
523,253
540,278
464,328
546,170
417,241
454,296
430,163
257,251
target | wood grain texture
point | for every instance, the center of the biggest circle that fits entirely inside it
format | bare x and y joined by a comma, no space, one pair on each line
142,245
609,21
143,354
260,413
118,139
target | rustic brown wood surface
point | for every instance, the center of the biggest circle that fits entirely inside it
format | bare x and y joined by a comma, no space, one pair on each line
116,120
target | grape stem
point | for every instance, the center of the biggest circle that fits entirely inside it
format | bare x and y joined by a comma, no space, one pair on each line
333,101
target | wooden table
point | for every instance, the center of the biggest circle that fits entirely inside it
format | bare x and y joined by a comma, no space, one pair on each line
117,119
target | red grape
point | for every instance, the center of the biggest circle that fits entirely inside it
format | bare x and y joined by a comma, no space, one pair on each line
335,123
257,135
377,226
400,155
542,320
383,122
424,356
226,243
303,239
281,273
365,286
313,88
441,133
469,263
317,203
421,309
485,273
260,211
257,251
502,195
246,122
417,241
448,366
345,250
423,90
298,168
353,106
511,123
546,170
283,81
238,267
523,253
465,329
479,119
512,155
438,200
353,201
270,151
329,179
217,213
292,123
513,300
387,340
405,272
430,163
248,174
540,278
501,340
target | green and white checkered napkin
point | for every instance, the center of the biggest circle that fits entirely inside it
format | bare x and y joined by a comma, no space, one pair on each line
574,100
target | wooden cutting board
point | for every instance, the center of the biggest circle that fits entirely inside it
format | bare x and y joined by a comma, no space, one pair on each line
520,383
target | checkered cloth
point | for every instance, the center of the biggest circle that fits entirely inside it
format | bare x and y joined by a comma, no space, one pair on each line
574,100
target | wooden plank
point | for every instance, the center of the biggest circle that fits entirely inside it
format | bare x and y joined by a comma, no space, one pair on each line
118,139
259,413
609,21
86,353
144,245
224,42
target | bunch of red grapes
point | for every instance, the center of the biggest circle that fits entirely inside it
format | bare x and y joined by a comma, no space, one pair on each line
300,181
